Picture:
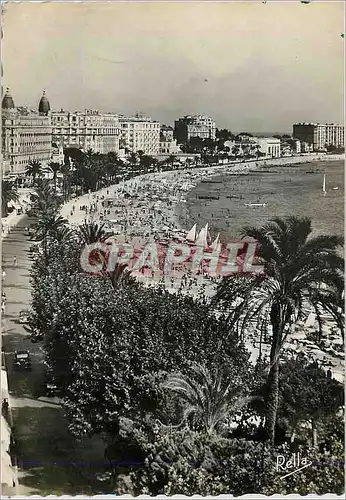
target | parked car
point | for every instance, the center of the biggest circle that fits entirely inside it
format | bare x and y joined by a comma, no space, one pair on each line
22,360
52,390
23,316
35,249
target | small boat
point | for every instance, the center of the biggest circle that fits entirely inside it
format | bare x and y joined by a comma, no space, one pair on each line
255,204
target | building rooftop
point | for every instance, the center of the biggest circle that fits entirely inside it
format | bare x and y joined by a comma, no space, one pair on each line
44,106
7,101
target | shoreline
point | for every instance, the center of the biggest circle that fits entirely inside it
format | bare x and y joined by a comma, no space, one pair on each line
181,183
140,208
228,202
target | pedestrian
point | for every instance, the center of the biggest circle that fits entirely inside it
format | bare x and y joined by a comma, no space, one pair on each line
329,374
3,307
5,406
4,275
15,261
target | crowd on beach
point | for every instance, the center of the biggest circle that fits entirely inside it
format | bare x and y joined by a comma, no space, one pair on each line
145,208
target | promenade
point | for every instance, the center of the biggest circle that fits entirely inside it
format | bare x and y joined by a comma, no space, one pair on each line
39,426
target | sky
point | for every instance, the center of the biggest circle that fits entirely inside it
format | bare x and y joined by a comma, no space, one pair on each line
252,66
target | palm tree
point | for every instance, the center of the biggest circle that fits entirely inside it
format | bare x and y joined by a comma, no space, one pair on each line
66,183
133,158
44,198
208,398
63,234
55,168
295,265
235,151
93,233
122,275
171,159
112,165
34,170
8,193
146,161
48,225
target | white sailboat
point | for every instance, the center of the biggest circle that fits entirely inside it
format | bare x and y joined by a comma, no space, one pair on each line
191,235
216,245
202,237
324,184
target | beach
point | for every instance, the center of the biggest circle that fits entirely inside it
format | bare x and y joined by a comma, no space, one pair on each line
164,204
164,201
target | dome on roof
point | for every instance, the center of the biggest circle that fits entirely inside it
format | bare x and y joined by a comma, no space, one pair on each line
7,101
44,106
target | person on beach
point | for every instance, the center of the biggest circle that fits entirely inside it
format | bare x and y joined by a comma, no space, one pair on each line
14,261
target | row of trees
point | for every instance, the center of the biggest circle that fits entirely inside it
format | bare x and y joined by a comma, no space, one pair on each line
166,379
83,171
212,151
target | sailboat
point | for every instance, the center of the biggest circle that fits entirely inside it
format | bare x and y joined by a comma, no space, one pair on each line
324,185
216,245
191,235
202,237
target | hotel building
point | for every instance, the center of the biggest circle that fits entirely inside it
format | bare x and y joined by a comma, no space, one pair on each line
269,146
89,129
320,135
26,135
140,133
168,145
194,126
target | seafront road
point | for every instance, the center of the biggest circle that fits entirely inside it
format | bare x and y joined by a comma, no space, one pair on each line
18,297
47,454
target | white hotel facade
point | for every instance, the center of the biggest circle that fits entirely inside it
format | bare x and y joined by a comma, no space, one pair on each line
140,133
89,129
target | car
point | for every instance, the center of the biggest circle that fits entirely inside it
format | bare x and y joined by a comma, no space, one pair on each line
52,390
23,316
22,360
35,249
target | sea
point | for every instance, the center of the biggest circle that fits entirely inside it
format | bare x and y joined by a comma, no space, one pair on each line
285,190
